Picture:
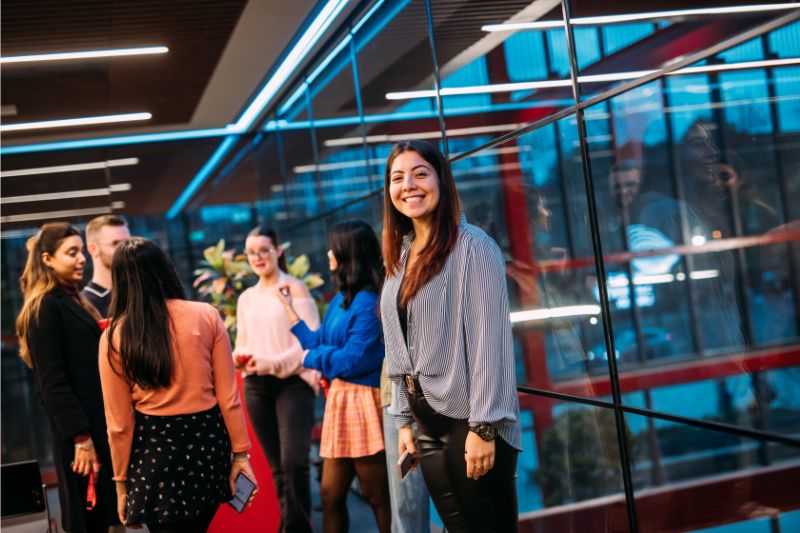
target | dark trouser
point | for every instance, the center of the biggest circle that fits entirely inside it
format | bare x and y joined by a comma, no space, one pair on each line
465,505
282,414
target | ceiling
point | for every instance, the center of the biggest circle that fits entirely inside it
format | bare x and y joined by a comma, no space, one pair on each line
219,55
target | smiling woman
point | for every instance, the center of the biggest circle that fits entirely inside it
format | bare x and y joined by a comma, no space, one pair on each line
59,337
445,314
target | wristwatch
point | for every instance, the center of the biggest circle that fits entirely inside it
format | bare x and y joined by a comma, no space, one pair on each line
484,430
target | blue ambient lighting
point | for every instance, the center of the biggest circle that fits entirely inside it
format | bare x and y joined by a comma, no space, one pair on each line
360,41
113,141
201,176
299,51
310,37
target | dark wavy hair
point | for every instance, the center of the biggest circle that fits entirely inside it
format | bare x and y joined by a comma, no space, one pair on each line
143,279
445,222
266,231
358,254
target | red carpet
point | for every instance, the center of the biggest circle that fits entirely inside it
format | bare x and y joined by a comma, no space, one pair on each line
264,515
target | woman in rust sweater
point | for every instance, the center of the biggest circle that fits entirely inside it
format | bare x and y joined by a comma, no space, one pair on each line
175,423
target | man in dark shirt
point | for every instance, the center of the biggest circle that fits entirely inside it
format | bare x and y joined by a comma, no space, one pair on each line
103,234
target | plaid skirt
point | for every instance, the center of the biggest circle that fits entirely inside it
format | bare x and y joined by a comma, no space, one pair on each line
353,422
179,467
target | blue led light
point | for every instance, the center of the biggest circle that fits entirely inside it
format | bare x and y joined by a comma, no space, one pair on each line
113,141
329,58
290,102
366,17
202,176
299,51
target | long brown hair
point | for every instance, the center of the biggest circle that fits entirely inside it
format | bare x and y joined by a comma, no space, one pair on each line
143,279
38,280
445,222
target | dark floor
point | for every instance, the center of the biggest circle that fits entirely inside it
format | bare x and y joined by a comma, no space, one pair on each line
361,518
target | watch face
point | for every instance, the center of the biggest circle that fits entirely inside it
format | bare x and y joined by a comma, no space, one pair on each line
485,431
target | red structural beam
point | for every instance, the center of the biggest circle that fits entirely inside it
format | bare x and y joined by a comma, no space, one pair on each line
724,499
687,372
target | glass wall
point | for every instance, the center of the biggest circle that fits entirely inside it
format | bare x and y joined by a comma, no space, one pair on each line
641,173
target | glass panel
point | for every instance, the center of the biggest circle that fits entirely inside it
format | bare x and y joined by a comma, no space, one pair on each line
497,81
343,170
394,55
614,44
699,234
571,457
708,480
300,189
332,85
529,195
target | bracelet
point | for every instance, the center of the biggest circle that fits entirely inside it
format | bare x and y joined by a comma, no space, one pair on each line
86,445
240,457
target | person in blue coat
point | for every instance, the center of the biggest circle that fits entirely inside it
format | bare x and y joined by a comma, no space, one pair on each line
348,348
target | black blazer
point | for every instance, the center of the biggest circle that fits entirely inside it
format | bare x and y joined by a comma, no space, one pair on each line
63,342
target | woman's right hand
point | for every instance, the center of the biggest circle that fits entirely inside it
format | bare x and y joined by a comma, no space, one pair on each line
85,458
405,438
243,466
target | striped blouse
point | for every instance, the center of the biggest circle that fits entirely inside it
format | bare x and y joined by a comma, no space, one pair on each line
459,337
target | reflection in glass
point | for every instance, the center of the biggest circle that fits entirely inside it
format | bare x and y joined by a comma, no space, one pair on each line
710,478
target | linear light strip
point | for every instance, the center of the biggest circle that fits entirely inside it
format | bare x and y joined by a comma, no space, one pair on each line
593,78
554,312
360,43
113,141
200,178
86,193
45,215
633,17
72,122
298,52
457,132
87,54
70,168
309,38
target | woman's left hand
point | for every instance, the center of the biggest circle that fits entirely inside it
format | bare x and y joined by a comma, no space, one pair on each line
479,455
284,294
122,505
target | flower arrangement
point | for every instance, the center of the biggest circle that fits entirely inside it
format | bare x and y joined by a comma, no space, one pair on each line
223,275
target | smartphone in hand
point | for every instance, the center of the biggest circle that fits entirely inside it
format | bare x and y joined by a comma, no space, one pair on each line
244,489
406,463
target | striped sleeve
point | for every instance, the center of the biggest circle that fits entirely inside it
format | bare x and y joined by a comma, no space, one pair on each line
399,407
487,334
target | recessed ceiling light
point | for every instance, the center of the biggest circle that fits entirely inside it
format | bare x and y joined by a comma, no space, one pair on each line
86,54
633,17
593,78
49,215
85,193
71,168
72,122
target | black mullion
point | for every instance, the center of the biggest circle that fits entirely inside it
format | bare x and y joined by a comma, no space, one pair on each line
616,394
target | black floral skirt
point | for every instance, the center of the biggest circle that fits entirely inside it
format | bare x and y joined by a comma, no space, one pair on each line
179,467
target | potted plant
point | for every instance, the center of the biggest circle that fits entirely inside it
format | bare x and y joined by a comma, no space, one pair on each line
223,275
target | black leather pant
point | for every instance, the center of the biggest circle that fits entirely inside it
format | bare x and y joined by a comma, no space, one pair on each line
465,505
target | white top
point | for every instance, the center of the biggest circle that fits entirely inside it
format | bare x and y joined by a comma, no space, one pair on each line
263,331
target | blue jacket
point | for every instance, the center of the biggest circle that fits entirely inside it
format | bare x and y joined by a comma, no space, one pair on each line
349,343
